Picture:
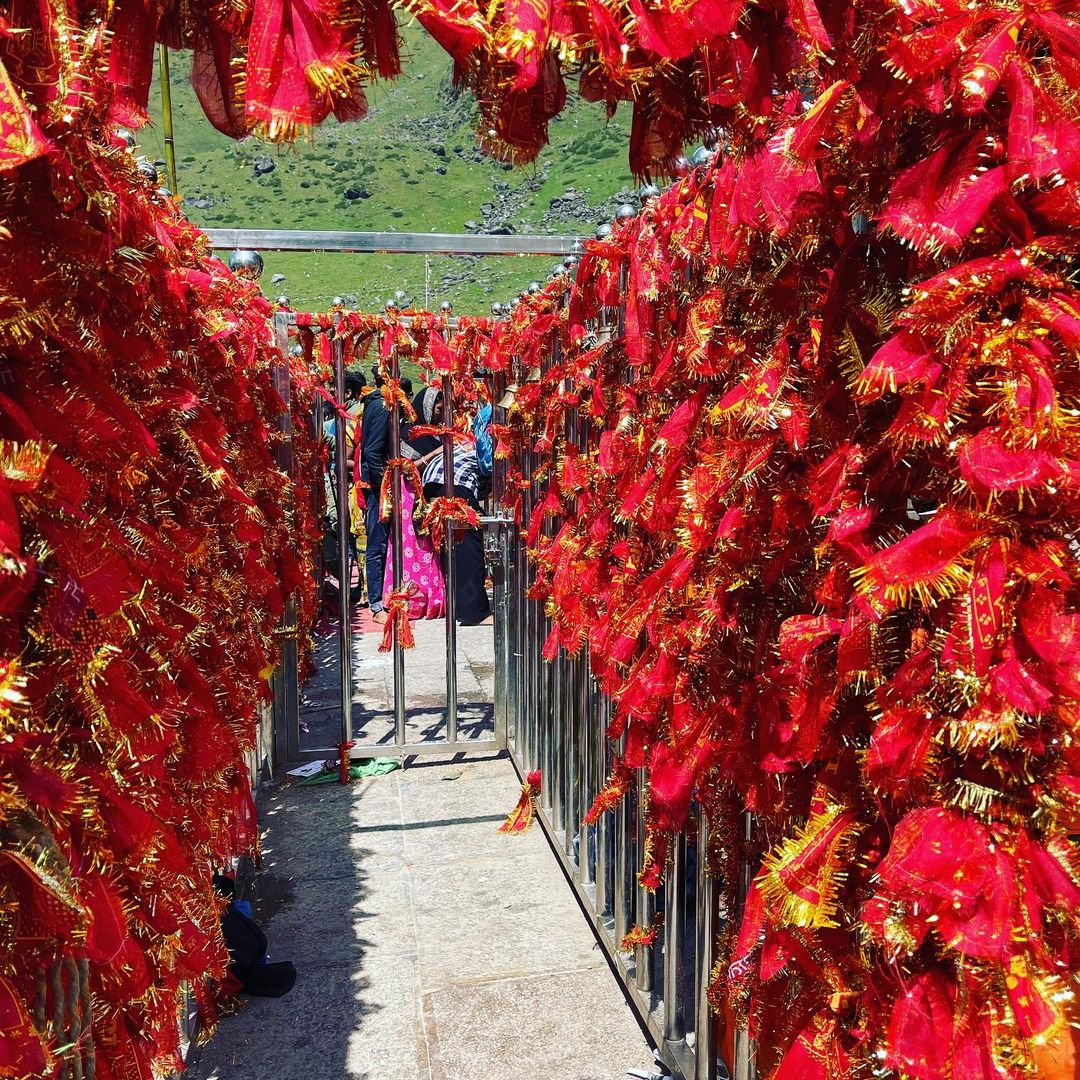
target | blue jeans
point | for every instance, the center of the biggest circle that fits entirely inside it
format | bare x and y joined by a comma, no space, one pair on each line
378,537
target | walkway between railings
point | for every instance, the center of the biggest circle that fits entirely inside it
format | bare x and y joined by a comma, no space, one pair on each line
428,944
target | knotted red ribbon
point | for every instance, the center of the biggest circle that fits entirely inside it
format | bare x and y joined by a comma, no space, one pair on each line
324,320
358,323
300,68
524,811
642,935
444,511
336,406
397,607
419,430
412,474
343,762
393,394
612,793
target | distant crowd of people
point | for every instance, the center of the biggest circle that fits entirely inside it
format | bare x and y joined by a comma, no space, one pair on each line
422,566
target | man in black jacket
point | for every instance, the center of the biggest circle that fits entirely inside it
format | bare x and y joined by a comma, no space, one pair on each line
374,452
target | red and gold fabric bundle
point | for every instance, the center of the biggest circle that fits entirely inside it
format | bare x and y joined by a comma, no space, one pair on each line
460,349
821,547
274,67
686,67
280,67
148,554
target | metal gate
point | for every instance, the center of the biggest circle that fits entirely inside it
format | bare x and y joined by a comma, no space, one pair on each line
292,750
288,748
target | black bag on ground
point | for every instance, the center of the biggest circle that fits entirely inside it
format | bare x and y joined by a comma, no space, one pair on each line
247,946
268,980
243,937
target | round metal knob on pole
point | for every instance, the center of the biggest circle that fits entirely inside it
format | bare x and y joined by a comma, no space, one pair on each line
246,264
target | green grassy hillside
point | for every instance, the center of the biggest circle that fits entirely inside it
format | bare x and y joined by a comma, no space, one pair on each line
412,166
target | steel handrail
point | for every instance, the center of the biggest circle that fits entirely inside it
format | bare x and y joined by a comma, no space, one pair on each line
392,243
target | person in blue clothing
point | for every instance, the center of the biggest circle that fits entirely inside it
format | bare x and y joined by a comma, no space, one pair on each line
485,450
355,385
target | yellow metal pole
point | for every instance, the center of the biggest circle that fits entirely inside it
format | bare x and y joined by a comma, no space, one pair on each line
166,119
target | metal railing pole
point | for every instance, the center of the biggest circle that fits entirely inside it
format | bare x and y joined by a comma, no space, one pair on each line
541,676
586,710
502,579
674,914
397,560
521,645
167,119
341,465
571,778
555,679
744,1064
637,901
536,673
286,681
392,243
540,669
604,825
572,719
624,861
524,688
704,1023
564,764
506,722
318,495
645,907
544,677
528,695
586,725
450,570
625,846
521,672
542,701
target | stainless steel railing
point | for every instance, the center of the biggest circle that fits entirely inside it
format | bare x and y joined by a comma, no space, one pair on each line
553,717
286,728
287,714
556,718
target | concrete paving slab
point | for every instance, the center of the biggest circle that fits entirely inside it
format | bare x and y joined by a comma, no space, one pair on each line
506,916
572,1031
425,683
346,1022
342,839
365,909
428,946
450,827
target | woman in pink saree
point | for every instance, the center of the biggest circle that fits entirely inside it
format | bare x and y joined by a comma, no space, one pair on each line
422,576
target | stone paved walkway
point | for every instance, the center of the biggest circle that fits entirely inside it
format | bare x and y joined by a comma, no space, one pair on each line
425,685
428,944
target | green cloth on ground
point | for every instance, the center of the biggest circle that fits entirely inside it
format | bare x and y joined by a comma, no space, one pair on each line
357,771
